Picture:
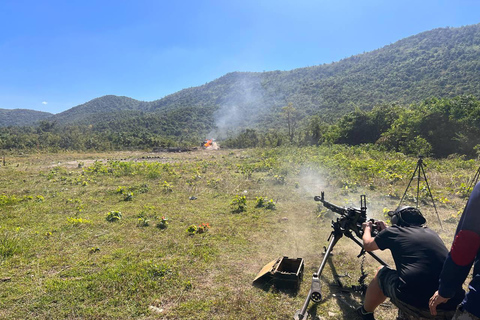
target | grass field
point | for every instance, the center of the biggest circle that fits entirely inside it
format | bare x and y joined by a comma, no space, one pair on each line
136,235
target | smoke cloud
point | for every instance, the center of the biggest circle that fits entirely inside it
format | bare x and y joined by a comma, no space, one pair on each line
241,106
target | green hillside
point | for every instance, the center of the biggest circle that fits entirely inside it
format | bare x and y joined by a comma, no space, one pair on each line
21,117
439,63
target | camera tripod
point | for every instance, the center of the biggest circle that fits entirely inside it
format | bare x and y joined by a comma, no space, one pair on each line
419,169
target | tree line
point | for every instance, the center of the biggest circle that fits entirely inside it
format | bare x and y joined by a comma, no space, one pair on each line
434,127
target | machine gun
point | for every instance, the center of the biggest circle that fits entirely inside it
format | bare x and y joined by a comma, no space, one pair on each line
349,224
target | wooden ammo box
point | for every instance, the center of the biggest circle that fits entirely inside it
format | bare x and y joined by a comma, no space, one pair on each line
286,273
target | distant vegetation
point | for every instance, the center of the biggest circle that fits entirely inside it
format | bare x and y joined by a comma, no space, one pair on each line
434,127
21,117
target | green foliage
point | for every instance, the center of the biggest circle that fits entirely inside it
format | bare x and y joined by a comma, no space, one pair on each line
9,244
128,196
239,204
192,229
78,221
6,200
143,222
113,216
163,223
270,205
203,227
262,202
166,187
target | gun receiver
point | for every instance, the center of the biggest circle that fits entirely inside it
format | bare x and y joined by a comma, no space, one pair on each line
353,217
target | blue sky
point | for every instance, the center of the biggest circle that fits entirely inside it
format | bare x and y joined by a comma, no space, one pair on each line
55,55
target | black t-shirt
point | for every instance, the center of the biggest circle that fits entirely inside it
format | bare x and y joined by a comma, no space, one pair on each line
419,254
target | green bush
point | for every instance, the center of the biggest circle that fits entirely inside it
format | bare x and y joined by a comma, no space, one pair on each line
239,204
113,216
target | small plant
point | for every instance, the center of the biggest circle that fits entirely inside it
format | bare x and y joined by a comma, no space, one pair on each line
143,222
163,224
113,216
78,221
239,204
128,196
260,202
263,203
191,230
121,190
159,271
202,228
94,250
167,187
278,179
7,200
9,244
270,205
39,198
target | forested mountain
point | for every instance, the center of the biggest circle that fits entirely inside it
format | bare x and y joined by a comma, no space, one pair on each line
101,109
440,63
21,117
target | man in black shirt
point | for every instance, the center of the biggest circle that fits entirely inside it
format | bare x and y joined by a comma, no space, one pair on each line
419,254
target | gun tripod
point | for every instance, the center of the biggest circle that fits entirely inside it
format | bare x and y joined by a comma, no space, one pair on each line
419,169
340,228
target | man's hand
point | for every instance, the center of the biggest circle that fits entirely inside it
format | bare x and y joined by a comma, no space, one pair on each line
367,224
435,300
380,225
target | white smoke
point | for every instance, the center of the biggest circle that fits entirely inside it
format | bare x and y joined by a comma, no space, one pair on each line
241,106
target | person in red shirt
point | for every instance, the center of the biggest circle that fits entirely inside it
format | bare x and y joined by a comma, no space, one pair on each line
464,254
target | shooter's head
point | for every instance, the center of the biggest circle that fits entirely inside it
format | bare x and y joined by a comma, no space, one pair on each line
406,217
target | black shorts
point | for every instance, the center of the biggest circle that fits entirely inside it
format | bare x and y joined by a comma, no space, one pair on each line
387,280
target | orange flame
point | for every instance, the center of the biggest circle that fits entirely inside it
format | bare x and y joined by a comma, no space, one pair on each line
208,143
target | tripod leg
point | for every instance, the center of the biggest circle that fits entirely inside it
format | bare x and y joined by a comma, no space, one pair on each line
431,196
314,294
411,179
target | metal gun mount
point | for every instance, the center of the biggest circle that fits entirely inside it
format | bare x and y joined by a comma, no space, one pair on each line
351,219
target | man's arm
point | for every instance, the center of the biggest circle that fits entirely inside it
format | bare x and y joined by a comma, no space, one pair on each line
462,254
369,243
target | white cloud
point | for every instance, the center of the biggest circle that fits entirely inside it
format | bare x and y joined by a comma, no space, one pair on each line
44,102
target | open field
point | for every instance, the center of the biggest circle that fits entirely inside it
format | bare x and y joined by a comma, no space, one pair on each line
82,237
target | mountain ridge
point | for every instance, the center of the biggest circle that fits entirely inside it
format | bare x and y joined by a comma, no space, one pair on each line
443,62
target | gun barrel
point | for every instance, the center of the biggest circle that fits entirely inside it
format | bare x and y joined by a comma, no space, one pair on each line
330,205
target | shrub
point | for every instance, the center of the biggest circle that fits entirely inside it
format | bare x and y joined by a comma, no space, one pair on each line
128,196
163,224
167,187
113,216
260,202
202,228
192,229
143,222
239,204
270,205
